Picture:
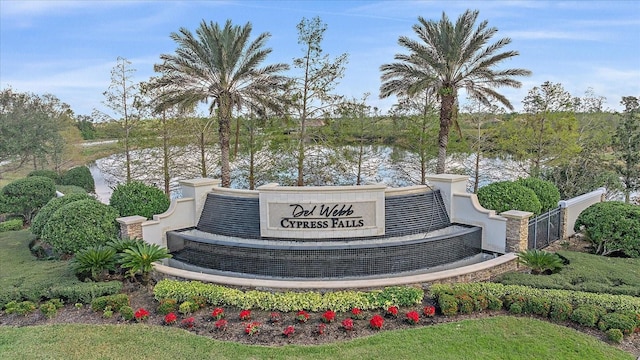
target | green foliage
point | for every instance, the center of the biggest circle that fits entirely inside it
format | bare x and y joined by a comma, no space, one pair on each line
494,302
40,220
448,305
537,306
79,176
26,196
620,303
586,272
466,304
626,142
167,306
612,227
11,225
127,313
83,292
188,307
80,224
288,301
516,308
615,335
50,308
21,308
546,192
94,262
46,173
136,198
139,258
116,302
507,195
560,310
540,261
626,323
587,315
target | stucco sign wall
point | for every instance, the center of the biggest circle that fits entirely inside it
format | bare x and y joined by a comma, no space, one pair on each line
321,212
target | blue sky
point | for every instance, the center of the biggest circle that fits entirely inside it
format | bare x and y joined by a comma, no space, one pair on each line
67,48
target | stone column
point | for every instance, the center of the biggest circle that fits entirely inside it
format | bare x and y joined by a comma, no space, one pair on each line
564,221
517,230
131,226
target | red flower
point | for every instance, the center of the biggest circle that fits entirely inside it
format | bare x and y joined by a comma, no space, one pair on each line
288,331
188,322
347,324
392,311
220,324
376,322
274,317
302,316
413,317
217,313
170,318
328,316
429,311
356,313
252,328
141,314
245,314
321,329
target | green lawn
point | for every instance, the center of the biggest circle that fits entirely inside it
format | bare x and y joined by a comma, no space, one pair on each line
501,337
586,272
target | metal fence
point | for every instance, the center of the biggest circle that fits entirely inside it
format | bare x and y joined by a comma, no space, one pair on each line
544,229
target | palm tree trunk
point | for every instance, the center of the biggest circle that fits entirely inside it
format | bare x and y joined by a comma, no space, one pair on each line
446,114
224,131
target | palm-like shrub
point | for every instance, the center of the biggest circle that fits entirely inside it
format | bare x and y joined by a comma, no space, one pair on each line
136,198
540,261
140,257
94,262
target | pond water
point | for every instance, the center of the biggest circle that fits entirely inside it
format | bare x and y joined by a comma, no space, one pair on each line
323,166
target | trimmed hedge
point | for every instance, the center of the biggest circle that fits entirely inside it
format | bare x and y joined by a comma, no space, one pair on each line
26,196
40,220
46,173
11,225
288,301
507,195
79,176
547,193
136,198
612,227
80,224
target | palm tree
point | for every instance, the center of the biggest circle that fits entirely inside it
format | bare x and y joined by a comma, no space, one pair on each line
219,66
449,57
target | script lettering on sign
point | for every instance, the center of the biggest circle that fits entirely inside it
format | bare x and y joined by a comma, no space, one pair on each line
324,216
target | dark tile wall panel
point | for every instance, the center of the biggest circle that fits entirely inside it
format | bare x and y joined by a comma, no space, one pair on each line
306,261
404,215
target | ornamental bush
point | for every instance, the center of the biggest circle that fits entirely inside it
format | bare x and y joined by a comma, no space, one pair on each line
615,335
612,227
78,225
26,196
40,220
11,225
46,173
624,322
136,198
507,195
587,315
79,176
547,193
560,310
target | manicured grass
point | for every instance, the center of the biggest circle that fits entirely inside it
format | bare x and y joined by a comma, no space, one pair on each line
501,337
586,272
22,274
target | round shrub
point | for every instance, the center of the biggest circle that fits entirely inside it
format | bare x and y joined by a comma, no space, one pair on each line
615,335
54,204
448,305
507,195
46,173
560,310
26,196
11,225
79,176
617,321
612,227
80,224
547,193
587,315
136,198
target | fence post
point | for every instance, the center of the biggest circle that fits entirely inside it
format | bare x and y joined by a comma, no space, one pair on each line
131,226
517,230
